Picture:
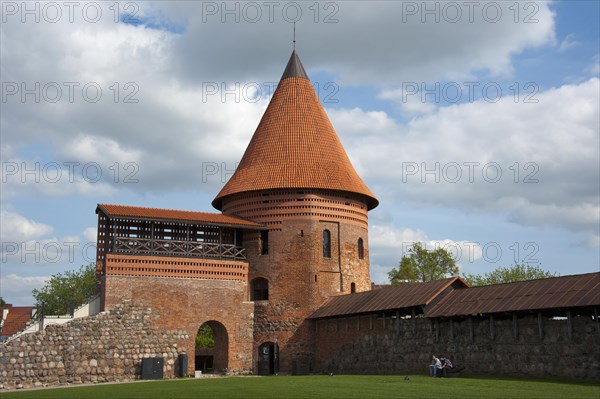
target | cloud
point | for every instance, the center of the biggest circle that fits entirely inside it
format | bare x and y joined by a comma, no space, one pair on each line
17,289
17,228
568,42
594,68
90,234
411,44
388,244
503,157
125,90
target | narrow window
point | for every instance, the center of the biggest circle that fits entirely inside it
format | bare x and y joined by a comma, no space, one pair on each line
352,288
361,249
264,242
260,289
326,244
238,237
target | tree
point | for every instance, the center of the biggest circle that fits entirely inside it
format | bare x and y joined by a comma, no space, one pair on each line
2,303
205,337
423,265
65,291
509,274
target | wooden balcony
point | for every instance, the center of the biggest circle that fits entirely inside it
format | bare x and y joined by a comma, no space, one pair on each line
188,249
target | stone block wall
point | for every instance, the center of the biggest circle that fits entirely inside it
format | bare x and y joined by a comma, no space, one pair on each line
377,345
108,347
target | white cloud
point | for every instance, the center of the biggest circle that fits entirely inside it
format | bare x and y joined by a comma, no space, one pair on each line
594,68
17,228
17,289
508,157
388,244
90,234
568,42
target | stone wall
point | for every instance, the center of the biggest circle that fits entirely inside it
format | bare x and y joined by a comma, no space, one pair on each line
377,345
103,348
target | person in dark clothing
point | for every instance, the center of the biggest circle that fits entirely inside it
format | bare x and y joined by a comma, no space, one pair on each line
447,366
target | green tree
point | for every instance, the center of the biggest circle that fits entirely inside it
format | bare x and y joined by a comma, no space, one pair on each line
65,290
205,337
423,265
2,303
509,274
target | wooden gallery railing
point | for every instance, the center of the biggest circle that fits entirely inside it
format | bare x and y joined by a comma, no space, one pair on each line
155,247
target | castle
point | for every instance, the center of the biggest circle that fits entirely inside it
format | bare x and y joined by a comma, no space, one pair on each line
281,275
293,232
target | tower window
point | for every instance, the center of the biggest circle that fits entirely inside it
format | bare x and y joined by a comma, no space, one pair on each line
352,288
264,242
260,289
326,244
361,249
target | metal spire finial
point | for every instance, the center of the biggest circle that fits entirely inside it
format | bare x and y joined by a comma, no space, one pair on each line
294,35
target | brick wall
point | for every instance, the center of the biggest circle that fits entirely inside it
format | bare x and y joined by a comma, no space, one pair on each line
373,344
300,277
185,304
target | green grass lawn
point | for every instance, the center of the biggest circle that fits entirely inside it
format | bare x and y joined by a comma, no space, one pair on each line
338,386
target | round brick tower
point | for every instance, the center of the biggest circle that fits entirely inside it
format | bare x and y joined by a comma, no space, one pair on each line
296,179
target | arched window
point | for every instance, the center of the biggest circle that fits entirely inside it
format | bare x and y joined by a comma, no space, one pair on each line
326,244
352,288
361,249
260,289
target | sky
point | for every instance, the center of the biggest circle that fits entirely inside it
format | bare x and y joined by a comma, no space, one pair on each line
476,124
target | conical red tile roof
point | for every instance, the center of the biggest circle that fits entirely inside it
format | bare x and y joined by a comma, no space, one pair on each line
295,146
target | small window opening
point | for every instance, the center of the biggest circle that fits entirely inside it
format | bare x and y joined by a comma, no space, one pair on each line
264,242
326,244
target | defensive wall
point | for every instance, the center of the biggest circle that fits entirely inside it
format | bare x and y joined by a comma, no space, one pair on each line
374,344
108,347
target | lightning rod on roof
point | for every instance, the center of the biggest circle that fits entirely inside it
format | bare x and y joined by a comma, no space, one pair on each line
294,35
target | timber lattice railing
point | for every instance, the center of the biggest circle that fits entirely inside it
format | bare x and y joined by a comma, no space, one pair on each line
158,247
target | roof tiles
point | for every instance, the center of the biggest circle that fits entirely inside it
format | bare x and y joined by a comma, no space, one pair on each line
125,211
16,319
295,146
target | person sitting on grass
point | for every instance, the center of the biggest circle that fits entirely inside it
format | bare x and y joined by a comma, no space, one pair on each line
446,367
435,366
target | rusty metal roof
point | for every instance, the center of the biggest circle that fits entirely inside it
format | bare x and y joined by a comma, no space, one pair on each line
295,146
137,212
556,292
388,298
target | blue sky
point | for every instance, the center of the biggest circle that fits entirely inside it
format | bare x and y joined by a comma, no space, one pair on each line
158,124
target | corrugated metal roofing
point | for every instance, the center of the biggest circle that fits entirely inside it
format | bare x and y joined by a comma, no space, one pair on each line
557,292
295,146
393,297
176,215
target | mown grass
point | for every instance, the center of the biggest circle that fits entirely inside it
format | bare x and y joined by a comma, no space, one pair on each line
337,386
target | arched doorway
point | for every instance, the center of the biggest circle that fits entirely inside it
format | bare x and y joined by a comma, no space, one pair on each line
268,358
212,348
